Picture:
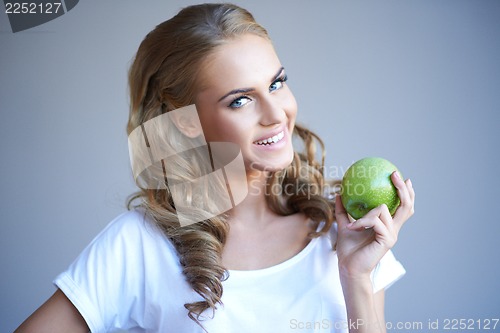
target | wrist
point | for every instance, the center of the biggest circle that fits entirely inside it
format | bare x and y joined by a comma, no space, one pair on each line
349,276
361,282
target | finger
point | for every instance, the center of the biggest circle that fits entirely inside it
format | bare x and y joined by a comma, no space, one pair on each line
340,213
406,205
401,187
375,225
385,216
410,190
367,223
379,219
382,213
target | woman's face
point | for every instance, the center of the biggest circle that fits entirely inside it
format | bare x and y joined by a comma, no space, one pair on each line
244,99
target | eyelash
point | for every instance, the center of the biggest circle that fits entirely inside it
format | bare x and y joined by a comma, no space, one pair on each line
282,79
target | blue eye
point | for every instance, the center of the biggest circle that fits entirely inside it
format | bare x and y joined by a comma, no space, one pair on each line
239,102
278,84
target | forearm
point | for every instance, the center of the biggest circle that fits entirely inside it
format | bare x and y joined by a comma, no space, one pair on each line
362,313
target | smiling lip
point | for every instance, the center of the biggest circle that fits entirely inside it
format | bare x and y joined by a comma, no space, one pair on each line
271,139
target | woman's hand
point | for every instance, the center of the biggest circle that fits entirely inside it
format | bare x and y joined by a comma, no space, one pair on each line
362,243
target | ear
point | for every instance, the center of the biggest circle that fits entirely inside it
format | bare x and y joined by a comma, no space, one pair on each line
187,121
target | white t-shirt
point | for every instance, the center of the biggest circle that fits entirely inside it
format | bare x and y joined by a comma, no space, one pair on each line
129,278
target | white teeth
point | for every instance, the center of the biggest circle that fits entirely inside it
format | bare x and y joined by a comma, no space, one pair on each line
272,140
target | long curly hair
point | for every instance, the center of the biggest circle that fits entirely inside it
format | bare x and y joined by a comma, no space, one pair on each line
162,78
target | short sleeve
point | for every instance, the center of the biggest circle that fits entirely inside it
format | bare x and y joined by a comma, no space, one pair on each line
387,271
103,281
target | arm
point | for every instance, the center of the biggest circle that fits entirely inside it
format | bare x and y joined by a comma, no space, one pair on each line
360,246
56,315
365,310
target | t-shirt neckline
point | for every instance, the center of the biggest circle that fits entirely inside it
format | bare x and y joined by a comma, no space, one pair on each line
278,267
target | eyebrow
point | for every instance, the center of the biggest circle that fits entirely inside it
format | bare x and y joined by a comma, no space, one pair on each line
246,90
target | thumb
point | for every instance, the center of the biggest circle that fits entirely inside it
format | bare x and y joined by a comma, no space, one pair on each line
340,213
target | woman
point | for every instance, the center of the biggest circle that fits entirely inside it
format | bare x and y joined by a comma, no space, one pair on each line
272,263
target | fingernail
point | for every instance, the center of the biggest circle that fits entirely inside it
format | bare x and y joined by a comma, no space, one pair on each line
409,182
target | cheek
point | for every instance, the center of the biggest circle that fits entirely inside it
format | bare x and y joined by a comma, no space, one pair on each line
290,106
212,123
211,128
223,129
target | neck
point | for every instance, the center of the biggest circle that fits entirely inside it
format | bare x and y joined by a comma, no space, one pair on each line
253,210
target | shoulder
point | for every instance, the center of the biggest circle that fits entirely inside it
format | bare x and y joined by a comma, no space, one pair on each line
130,222
130,227
126,268
130,239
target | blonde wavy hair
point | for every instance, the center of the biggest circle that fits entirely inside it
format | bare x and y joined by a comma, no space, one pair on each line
162,78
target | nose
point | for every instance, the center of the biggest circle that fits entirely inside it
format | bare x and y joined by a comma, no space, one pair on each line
271,112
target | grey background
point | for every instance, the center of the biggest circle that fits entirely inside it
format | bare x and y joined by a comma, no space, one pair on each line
416,82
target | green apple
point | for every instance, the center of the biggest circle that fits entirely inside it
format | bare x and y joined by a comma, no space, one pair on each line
367,184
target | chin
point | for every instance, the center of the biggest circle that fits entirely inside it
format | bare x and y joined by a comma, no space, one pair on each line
270,166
